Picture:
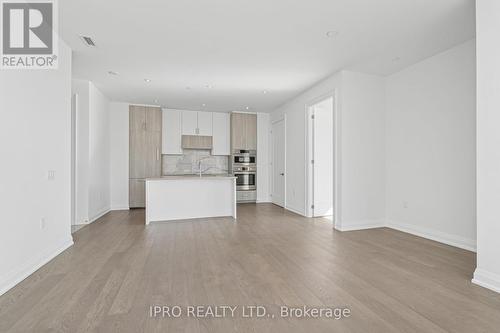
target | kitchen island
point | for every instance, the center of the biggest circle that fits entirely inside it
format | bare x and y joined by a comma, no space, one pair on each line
187,197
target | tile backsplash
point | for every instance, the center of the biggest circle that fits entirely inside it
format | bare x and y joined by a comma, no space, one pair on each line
188,163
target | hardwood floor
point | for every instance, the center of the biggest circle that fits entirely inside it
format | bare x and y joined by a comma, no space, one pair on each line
118,268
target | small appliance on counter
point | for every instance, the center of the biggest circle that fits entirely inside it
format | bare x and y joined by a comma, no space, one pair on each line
244,167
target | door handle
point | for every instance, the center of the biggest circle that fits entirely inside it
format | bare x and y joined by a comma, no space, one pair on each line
282,174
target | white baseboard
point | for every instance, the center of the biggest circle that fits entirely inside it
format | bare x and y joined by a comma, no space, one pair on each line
295,210
120,208
100,214
12,278
264,201
438,236
360,225
487,279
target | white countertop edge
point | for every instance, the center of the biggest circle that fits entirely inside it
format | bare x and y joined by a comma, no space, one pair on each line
190,178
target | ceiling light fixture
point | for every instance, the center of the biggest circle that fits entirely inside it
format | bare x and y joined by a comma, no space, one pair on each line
209,86
203,105
112,73
147,80
264,92
332,33
396,59
247,107
156,101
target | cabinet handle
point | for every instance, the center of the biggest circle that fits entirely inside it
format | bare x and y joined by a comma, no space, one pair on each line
157,154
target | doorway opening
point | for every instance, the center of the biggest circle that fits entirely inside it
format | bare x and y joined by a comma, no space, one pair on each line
321,158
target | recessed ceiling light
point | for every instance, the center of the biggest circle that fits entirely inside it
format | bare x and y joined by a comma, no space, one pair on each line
264,91
112,73
209,86
396,59
247,107
203,104
147,80
332,33
156,101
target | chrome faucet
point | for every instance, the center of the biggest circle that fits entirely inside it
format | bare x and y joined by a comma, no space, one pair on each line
199,163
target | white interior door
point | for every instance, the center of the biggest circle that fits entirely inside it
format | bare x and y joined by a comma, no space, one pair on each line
323,156
279,155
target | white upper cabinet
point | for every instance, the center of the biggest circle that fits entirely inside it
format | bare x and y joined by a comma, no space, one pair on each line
189,122
177,123
205,123
221,130
171,132
196,123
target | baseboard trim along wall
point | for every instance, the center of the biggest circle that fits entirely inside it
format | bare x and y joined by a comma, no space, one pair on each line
17,275
487,279
100,214
295,210
438,236
360,225
120,208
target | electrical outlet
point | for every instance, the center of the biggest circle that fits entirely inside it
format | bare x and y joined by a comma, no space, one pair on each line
42,223
51,175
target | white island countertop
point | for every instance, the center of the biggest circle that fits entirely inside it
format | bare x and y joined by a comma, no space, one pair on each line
182,177
179,197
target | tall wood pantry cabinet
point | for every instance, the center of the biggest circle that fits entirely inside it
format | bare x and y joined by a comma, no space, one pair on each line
145,127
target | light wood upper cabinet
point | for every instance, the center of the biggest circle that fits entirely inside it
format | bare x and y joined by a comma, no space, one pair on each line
238,129
251,131
137,118
189,122
221,137
172,132
205,123
153,119
243,131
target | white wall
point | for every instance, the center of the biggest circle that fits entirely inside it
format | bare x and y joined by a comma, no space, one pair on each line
93,152
99,153
431,147
119,155
362,152
35,137
360,148
295,112
263,158
80,88
487,272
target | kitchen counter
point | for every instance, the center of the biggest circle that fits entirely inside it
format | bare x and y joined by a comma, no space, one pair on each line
211,176
180,197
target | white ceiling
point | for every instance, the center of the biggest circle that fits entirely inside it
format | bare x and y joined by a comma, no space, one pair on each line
243,47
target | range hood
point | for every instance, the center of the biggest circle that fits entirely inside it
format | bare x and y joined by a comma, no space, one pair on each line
196,142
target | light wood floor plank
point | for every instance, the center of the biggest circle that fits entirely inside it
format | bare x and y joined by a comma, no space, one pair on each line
118,268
